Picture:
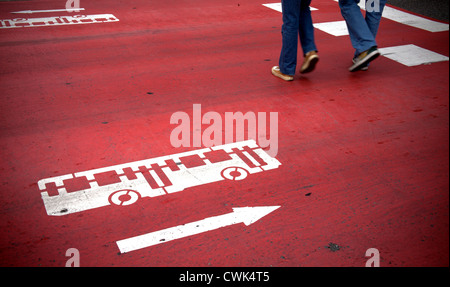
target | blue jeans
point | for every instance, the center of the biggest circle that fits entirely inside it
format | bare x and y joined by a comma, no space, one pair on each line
297,22
362,30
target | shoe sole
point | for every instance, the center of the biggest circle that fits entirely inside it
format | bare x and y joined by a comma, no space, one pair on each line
364,68
369,58
286,78
310,65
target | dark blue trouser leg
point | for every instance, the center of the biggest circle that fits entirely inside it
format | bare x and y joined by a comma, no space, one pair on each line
297,22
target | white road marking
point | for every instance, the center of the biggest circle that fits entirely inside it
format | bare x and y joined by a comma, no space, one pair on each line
388,13
153,177
335,28
277,7
48,11
410,19
412,55
246,215
57,21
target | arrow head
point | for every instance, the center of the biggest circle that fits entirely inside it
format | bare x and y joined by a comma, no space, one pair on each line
249,215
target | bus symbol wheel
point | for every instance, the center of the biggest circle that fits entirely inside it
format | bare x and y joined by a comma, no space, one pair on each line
124,197
234,173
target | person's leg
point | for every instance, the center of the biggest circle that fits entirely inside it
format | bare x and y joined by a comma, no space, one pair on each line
373,16
306,28
289,30
306,33
361,37
374,11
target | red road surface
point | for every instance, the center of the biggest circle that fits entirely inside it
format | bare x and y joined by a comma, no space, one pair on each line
364,155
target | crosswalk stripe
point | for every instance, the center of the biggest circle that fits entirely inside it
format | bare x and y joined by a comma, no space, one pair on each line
335,28
412,55
410,19
277,7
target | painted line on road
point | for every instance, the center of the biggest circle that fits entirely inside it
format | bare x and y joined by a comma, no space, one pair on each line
410,19
48,11
246,215
388,13
412,55
335,28
277,7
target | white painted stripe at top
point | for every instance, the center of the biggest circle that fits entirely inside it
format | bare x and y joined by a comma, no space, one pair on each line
413,20
412,55
410,19
277,7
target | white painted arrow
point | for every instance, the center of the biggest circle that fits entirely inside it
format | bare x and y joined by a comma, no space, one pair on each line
246,215
48,11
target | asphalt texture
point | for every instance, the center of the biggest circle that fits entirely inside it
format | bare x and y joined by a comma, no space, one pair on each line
437,9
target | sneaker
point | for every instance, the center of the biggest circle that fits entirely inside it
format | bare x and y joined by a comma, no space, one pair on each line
365,67
309,64
364,58
277,73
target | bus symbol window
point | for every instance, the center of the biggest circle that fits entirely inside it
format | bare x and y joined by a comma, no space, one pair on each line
107,178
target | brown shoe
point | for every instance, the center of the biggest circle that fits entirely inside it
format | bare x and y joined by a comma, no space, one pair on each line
364,59
277,73
309,64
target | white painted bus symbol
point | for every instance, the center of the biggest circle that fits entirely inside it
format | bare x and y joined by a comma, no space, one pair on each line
125,184
57,21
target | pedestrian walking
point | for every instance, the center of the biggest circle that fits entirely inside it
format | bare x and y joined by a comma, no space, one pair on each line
297,23
362,30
